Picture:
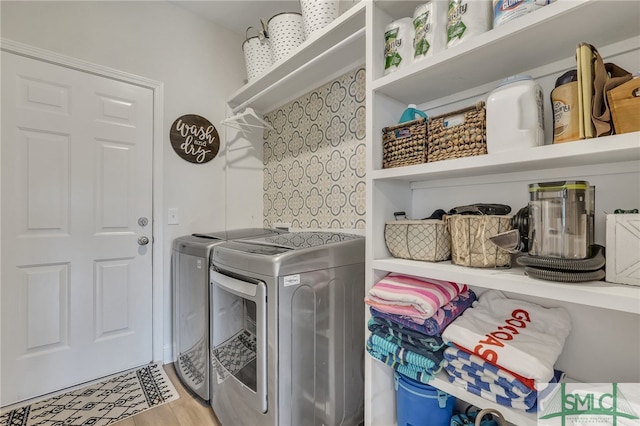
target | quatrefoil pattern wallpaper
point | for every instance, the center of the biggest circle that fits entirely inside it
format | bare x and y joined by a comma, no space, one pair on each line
314,158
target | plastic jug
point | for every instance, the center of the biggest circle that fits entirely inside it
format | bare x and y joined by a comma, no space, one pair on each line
411,113
515,118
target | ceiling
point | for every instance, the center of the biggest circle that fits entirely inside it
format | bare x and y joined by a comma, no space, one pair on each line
238,15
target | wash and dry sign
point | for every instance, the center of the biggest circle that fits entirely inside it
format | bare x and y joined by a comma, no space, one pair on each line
194,138
577,404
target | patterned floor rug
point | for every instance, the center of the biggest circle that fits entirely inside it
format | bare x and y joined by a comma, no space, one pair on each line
99,404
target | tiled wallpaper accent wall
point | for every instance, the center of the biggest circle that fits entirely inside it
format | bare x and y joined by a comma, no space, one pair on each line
314,159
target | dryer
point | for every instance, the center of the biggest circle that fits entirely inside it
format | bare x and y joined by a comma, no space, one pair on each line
287,330
190,281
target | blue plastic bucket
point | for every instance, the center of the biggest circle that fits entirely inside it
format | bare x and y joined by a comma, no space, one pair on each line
418,404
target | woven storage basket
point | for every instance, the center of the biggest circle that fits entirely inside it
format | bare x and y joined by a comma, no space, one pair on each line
404,144
461,133
470,244
427,239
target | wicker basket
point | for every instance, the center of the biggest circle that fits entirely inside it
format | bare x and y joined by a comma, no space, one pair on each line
404,144
427,239
470,244
461,133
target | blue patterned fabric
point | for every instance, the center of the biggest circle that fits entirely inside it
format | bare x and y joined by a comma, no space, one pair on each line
406,338
439,321
487,372
430,362
407,363
490,382
507,402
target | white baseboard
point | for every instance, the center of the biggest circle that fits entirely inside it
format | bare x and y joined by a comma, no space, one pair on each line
168,351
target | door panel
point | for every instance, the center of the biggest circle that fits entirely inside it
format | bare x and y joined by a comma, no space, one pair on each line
76,175
46,290
45,178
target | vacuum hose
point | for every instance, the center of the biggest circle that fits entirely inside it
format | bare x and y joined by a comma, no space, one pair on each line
566,270
595,261
563,276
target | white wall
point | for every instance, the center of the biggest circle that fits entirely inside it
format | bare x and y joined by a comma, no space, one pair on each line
200,66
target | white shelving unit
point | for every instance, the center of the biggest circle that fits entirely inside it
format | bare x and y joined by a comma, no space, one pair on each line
541,44
598,294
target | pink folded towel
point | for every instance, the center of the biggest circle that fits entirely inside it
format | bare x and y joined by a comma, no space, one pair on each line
412,297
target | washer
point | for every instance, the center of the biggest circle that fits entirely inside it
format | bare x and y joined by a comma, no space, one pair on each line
287,330
190,281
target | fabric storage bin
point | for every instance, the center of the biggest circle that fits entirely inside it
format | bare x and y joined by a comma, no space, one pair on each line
404,144
257,53
460,133
286,32
427,239
317,14
418,404
470,244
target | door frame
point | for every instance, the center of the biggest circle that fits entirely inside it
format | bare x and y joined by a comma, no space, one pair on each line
157,88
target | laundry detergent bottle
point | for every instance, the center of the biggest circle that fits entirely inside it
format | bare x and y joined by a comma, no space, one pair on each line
411,113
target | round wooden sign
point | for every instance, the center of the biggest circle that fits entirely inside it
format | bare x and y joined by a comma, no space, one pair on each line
194,138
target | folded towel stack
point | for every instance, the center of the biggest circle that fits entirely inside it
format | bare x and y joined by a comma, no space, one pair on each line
408,315
415,298
505,349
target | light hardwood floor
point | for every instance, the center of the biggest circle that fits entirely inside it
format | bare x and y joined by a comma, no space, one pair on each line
184,411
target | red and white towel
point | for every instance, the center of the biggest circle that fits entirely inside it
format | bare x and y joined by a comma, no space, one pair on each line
519,336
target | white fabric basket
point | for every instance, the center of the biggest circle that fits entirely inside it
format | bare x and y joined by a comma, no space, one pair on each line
427,239
317,14
286,32
257,53
470,243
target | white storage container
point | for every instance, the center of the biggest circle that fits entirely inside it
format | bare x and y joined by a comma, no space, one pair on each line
317,14
286,32
427,239
623,249
515,116
257,53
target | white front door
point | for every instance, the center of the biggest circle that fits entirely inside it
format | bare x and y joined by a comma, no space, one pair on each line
76,189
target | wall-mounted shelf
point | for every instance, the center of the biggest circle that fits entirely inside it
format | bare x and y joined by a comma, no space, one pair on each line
610,149
337,47
517,417
599,294
544,36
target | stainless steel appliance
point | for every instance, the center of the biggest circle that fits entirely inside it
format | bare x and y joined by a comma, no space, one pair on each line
190,281
561,219
287,330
